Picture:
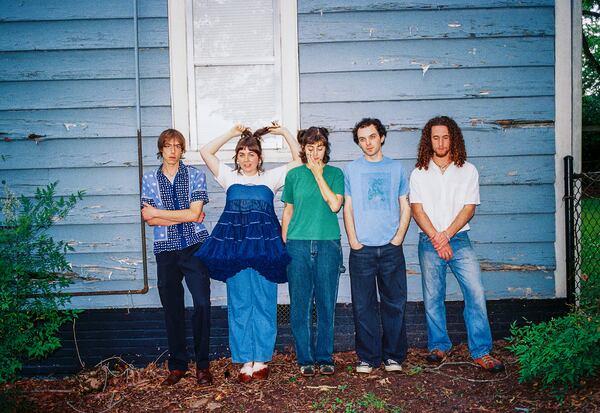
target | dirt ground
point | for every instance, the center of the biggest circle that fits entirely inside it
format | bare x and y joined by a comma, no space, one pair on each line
456,386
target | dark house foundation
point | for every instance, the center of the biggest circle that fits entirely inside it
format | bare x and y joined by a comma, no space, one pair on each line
138,335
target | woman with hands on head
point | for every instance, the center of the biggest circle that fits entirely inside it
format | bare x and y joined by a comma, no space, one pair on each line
313,194
245,249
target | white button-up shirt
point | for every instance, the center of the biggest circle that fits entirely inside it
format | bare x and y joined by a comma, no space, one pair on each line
443,195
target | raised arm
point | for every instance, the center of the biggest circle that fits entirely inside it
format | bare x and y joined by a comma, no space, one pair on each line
208,151
292,143
334,200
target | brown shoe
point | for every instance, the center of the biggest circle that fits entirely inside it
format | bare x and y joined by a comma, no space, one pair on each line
436,356
173,377
261,374
204,377
244,378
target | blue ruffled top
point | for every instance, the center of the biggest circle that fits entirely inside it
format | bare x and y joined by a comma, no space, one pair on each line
248,235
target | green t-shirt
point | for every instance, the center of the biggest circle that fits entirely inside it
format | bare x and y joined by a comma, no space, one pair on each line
312,218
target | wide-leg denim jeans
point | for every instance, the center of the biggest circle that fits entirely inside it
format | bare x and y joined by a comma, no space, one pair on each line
465,267
313,275
380,269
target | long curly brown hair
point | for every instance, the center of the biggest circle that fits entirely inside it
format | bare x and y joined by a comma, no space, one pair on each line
458,153
252,142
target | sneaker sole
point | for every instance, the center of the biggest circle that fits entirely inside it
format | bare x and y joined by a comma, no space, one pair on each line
364,371
393,368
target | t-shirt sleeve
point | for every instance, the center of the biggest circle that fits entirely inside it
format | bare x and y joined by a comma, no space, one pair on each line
148,192
198,187
415,190
337,183
225,178
347,190
403,184
288,191
472,191
275,178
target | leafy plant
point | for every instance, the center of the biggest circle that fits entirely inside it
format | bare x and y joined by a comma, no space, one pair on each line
33,271
558,353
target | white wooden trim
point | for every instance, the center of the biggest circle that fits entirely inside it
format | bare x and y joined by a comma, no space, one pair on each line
289,66
567,119
180,114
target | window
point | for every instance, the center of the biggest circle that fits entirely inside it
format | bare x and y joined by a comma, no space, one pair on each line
240,65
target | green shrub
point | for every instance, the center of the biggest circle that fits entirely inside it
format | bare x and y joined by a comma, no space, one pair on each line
32,275
558,353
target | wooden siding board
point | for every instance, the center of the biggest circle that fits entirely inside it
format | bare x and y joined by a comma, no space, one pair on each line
83,64
400,25
82,94
485,229
426,85
45,10
82,34
82,123
124,180
406,114
331,6
479,142
77,152
415,54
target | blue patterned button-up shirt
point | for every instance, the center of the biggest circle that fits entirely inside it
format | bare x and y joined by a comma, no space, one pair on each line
189,185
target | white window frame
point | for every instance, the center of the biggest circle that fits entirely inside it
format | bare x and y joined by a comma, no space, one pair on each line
182,100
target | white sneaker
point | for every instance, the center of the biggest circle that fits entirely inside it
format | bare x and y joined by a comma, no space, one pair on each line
392,365
363,367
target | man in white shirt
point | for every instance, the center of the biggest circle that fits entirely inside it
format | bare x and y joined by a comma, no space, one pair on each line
444,191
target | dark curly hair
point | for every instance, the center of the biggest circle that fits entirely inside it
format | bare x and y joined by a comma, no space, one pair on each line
311,136
363,123
458,153
252,142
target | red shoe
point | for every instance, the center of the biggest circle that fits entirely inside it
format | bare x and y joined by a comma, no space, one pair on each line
244,378
490,364
204,377
261,374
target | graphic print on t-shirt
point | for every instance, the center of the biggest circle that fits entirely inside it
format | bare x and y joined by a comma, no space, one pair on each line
376,189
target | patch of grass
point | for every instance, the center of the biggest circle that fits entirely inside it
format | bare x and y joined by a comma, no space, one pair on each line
590,254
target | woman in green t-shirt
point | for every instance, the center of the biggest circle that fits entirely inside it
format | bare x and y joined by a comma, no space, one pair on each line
313,194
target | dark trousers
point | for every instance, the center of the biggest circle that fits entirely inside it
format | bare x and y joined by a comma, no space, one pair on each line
380,269
172,268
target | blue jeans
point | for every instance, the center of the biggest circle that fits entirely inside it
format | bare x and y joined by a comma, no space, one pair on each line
313,276
252,316
465,267
371,269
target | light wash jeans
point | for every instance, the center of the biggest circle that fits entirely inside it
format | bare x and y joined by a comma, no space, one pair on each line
252,316
465,267
313,276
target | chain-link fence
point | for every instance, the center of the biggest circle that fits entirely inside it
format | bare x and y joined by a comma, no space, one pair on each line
583,236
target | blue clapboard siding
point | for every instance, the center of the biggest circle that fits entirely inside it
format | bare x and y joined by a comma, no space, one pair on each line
489,65
67,74
67,78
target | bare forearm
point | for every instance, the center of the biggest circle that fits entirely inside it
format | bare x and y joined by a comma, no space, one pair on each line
463,217
349,225
423,220
333,200
404,221
209,150
288,211
160,221
293,144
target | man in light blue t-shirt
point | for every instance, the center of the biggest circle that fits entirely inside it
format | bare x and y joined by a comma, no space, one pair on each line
376,216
